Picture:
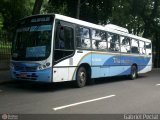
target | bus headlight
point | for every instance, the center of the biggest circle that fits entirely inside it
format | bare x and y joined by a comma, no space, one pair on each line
11,66
43,66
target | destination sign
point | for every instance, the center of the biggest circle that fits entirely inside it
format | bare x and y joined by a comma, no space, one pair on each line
41,19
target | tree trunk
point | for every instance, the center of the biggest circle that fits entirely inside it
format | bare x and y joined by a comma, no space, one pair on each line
78,9
37,7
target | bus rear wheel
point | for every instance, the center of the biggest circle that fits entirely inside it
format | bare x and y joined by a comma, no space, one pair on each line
81,77
134,73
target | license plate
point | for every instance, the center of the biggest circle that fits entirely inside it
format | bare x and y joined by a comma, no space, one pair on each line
23,75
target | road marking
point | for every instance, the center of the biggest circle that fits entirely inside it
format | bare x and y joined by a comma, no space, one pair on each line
157,84
83,102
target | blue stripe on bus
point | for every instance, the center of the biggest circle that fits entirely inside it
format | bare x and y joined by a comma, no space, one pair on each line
110,65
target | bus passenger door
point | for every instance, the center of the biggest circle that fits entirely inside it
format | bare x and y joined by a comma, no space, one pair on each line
63,49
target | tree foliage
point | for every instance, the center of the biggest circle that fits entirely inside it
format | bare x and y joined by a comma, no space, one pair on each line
13,10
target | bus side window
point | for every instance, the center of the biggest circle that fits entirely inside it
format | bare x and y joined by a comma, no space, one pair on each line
83,38
113,42
64,41
64,38
135,46
148,48
69,38
142,47
59,41
125,44
135,50
99,40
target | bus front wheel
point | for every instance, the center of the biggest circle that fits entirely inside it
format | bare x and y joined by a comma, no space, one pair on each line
81,77
133,74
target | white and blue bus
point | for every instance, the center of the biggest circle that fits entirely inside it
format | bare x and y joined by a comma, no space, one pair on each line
57,48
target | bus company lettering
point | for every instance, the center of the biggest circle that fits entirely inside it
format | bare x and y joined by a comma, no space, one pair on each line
96,59
117,60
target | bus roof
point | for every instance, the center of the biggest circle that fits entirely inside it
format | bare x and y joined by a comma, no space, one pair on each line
109,28
79,22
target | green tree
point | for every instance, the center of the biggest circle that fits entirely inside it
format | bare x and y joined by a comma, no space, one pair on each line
37,7
96,11
55,6
1,22
13,10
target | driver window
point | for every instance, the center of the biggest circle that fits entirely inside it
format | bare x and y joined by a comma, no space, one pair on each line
64,41
64,38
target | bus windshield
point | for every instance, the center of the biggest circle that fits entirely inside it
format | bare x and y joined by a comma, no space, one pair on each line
32,41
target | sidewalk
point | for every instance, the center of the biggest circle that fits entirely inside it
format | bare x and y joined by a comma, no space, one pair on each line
4,76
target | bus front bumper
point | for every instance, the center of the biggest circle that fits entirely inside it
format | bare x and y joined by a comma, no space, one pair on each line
39,75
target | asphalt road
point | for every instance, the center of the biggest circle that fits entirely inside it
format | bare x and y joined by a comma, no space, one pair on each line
108,96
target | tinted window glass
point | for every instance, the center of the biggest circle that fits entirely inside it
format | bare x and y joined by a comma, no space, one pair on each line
142,47
83,38
113,42
64,38
134,48
148,48
125,44
99,41
64,41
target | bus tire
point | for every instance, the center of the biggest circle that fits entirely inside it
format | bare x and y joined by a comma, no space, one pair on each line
81,77
133,74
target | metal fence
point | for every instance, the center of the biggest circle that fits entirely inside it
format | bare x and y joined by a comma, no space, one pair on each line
5,50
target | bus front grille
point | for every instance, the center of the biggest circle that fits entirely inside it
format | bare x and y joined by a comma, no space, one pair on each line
25,68
27,77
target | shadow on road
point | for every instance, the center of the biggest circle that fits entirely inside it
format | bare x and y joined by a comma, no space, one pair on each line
115,79
29,86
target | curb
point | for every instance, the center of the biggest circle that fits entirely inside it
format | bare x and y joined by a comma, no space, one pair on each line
4,76
155,68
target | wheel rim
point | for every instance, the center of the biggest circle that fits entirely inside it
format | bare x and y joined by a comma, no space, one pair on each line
82,77
134,72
